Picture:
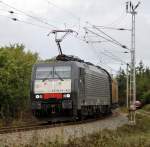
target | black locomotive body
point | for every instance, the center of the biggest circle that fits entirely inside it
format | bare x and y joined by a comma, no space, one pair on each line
70,89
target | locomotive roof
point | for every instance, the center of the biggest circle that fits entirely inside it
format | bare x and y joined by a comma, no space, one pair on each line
70,60
85,65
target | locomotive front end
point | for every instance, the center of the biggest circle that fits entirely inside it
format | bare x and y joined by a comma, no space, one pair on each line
51,91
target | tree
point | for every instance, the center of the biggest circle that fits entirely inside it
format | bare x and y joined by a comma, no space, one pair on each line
121,78
142,84
15,72
143,80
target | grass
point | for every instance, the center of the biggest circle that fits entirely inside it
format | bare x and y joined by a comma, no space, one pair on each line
123,109
12,123
125,136
16,122
146,107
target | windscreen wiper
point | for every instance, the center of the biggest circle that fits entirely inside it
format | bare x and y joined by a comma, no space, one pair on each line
59,76
46,78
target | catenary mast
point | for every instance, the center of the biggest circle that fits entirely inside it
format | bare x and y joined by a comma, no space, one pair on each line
131,9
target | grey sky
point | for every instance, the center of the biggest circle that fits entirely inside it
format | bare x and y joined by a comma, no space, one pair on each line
109,13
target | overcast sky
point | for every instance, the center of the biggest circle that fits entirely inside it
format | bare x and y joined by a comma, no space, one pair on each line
73,14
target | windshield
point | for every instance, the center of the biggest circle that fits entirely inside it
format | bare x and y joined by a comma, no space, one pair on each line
62,71
44,72
57,72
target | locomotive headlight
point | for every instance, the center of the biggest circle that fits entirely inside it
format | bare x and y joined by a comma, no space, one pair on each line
68,95
37,96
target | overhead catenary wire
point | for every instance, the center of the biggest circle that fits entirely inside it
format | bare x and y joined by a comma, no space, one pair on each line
33,17
113,28
38,19
118,20
66,11
4,10
113,40
25,22
107,66
79,18
102,62
28,15
118,58
76,17
123,46
88,30
113,57
97,54
10,12
109,55
88,40
109,40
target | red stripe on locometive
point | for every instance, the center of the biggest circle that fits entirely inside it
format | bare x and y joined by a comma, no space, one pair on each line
52,95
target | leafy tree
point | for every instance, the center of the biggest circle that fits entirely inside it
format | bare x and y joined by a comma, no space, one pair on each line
121,78
140,69
15,72
143,80
142,84
146,97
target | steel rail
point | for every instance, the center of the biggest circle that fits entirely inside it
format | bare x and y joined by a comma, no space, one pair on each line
45,125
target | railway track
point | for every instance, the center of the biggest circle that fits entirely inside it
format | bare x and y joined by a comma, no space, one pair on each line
42,125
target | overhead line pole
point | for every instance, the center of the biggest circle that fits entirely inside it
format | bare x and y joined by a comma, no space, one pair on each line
131,9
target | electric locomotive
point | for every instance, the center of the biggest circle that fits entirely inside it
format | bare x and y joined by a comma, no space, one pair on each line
69,88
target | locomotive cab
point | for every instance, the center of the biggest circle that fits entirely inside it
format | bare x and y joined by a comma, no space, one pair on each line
51,90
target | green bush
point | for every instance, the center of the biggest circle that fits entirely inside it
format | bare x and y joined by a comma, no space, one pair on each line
146,97
15,72
146,107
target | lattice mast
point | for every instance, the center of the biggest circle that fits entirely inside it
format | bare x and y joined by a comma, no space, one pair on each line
131,9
